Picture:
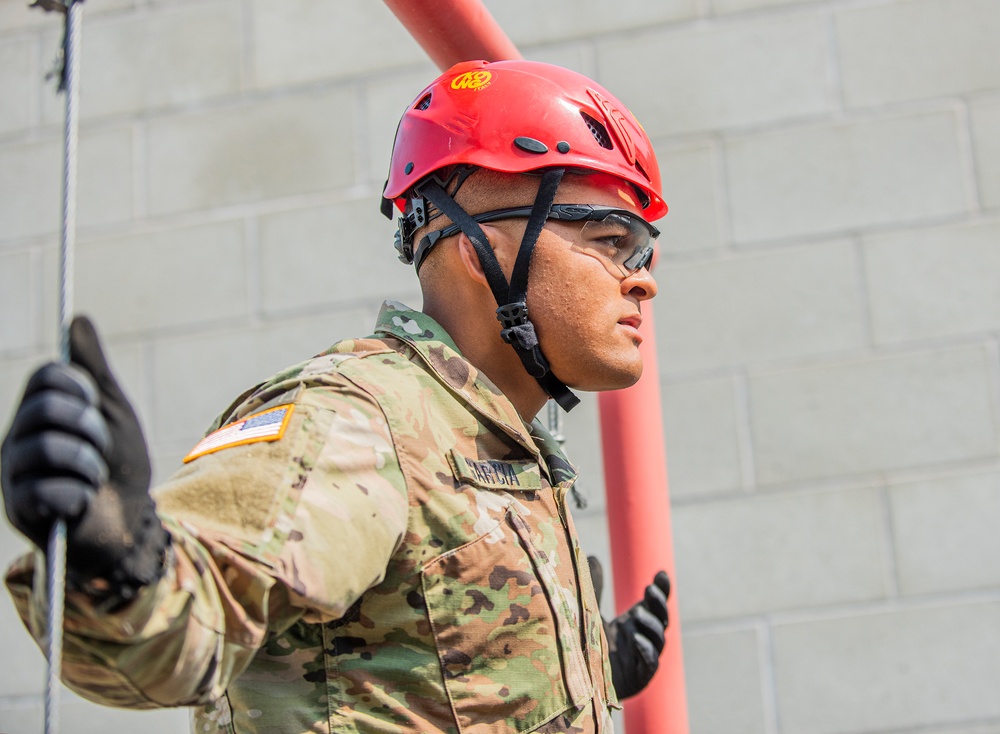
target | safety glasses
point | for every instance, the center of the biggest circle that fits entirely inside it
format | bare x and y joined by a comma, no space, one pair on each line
616,235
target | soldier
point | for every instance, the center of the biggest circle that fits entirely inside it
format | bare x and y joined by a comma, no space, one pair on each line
379,539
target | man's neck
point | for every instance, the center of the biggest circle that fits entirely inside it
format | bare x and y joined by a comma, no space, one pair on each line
481,345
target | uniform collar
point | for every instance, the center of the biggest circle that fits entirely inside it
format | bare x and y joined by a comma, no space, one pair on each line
561,471
415,328
439,352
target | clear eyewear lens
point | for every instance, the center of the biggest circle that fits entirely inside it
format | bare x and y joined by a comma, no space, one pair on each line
621,238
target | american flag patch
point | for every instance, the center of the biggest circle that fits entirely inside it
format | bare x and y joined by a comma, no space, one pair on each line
268,425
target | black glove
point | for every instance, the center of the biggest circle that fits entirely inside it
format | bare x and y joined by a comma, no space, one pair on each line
635,638
75,451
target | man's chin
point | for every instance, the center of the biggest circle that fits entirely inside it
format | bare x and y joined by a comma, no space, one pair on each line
610,380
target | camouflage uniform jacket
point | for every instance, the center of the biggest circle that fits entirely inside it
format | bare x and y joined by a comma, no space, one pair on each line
398,557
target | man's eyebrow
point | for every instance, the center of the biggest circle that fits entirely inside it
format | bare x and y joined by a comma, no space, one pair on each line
615,222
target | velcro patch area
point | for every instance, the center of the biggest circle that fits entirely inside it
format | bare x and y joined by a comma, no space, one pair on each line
267,425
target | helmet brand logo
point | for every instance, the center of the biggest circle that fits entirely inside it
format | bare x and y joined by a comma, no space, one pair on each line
474,80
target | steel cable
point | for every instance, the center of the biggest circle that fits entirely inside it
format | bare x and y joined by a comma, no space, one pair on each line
56,550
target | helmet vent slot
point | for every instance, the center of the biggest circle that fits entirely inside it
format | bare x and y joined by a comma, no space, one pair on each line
598,130
424,103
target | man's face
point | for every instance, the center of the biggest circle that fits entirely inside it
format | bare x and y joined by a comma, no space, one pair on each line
586,311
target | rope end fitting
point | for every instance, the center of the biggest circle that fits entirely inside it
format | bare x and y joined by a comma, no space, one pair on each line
57,6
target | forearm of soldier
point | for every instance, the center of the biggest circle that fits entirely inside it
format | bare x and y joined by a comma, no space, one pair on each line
180,642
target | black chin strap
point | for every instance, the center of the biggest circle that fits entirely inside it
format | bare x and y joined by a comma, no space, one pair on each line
518,331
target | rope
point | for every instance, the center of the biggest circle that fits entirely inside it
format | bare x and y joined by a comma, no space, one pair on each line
56,589
71,85
56,550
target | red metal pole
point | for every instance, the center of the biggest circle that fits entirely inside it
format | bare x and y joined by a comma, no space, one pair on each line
451,31
635,477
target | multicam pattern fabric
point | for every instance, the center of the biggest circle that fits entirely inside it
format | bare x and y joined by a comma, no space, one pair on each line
402,561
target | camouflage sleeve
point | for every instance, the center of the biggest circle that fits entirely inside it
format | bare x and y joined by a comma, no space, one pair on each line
264,533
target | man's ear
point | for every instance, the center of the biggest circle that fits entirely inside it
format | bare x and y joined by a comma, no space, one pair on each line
470,257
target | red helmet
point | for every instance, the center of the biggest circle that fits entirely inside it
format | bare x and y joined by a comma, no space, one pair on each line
519,116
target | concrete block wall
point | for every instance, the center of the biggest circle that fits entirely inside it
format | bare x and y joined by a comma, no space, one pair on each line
828,319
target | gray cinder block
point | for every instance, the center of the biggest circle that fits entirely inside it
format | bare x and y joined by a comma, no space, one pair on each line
293,145
873,415
291,41
158,279
15,87
761,554
945,533
986,138
721,76
898,51
759,306
889,670
845,175
700,423
724,687
934,282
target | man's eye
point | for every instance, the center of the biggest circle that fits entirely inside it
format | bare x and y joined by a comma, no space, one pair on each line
612,241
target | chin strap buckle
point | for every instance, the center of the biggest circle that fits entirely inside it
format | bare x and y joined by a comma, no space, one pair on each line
520,334
511,316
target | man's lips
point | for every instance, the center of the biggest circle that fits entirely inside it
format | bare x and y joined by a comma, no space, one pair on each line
635,321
